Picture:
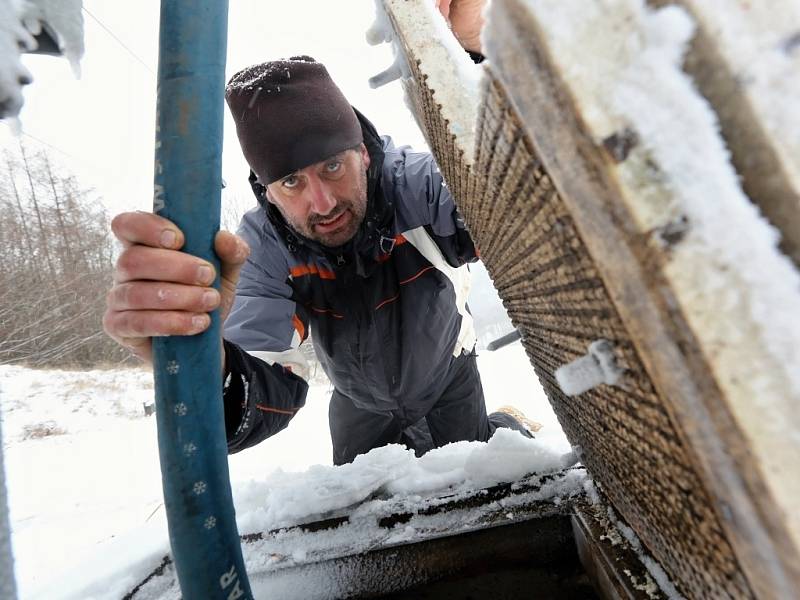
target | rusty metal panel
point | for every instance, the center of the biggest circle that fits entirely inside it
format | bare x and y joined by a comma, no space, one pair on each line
554,293
558,230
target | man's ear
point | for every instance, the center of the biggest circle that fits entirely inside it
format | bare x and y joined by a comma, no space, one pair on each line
365,156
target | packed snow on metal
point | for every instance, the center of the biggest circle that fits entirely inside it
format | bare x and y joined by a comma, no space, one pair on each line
85,487
22,20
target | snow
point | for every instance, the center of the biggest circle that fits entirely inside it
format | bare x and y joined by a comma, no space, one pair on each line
761,41
450,73
66,20
22,19
620,531
642,85
85,501
270,560
656,571
676,125
381,29
739,294
277,71
285,499
12,36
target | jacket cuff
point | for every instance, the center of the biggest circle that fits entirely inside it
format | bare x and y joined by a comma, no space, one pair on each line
259,399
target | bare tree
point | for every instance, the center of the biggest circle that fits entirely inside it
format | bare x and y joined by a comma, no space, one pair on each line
56,261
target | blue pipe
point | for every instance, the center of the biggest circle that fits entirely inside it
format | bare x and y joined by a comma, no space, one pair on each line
188,379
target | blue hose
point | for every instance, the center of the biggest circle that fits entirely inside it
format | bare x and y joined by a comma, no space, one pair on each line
188,380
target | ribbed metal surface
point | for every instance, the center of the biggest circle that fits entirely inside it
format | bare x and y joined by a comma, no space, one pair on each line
437,133
555,295
552,291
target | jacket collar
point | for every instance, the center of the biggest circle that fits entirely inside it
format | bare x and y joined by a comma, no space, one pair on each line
370,241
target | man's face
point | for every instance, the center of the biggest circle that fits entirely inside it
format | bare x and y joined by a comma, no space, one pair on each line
325,201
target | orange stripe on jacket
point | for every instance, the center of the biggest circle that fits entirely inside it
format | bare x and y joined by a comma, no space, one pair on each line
299,327
302,270
326,311
275,410
409,280
387,301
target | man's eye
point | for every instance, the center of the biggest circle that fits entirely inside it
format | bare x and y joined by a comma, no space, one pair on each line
289,182
333,166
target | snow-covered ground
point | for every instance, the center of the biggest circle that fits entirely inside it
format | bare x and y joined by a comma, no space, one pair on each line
82,460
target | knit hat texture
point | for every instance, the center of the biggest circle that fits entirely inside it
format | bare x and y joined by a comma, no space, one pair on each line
289,114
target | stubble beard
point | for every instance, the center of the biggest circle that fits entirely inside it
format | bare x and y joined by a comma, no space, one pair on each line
356,206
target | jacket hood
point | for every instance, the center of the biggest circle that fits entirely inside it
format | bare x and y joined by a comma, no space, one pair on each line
374,236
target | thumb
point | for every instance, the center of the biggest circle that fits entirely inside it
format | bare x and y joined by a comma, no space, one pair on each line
233,252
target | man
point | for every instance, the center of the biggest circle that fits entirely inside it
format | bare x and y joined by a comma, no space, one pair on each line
353,239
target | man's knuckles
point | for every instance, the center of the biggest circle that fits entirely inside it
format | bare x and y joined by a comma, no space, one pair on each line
140,323
140,262
143,295
146,228
231,248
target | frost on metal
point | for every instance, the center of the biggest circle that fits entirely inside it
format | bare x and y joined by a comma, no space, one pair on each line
449,72
654,582
752,80
21,21
13,75
733,293
65,19
439,494
594,368
760,44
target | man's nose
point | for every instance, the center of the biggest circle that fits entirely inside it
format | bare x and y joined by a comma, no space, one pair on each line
321,196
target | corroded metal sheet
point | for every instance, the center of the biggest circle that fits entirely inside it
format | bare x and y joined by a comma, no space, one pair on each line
555,294
561,232
391,545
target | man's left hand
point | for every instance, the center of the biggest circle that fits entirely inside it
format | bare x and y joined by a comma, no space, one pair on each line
466,20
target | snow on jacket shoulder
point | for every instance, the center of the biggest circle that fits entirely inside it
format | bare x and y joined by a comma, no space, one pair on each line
388,315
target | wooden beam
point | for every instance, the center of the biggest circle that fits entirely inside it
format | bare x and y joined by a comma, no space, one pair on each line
745,59
703,359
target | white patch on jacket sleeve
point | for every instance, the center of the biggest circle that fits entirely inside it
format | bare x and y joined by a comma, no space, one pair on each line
461,279
292,359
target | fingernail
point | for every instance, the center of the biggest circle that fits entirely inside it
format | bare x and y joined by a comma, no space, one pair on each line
168,238
199,322
210,299
205,274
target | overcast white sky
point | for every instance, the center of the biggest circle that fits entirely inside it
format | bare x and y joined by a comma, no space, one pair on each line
102,126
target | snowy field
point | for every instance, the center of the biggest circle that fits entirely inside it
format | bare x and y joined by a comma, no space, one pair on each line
82,460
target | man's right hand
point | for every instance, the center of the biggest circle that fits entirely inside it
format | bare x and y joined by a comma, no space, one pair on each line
159,290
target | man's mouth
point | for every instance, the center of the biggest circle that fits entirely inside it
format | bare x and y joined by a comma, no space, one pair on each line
332,224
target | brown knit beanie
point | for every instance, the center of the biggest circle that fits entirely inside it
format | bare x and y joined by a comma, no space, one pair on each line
289,114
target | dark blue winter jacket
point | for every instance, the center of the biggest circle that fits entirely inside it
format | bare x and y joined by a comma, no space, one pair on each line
387,310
